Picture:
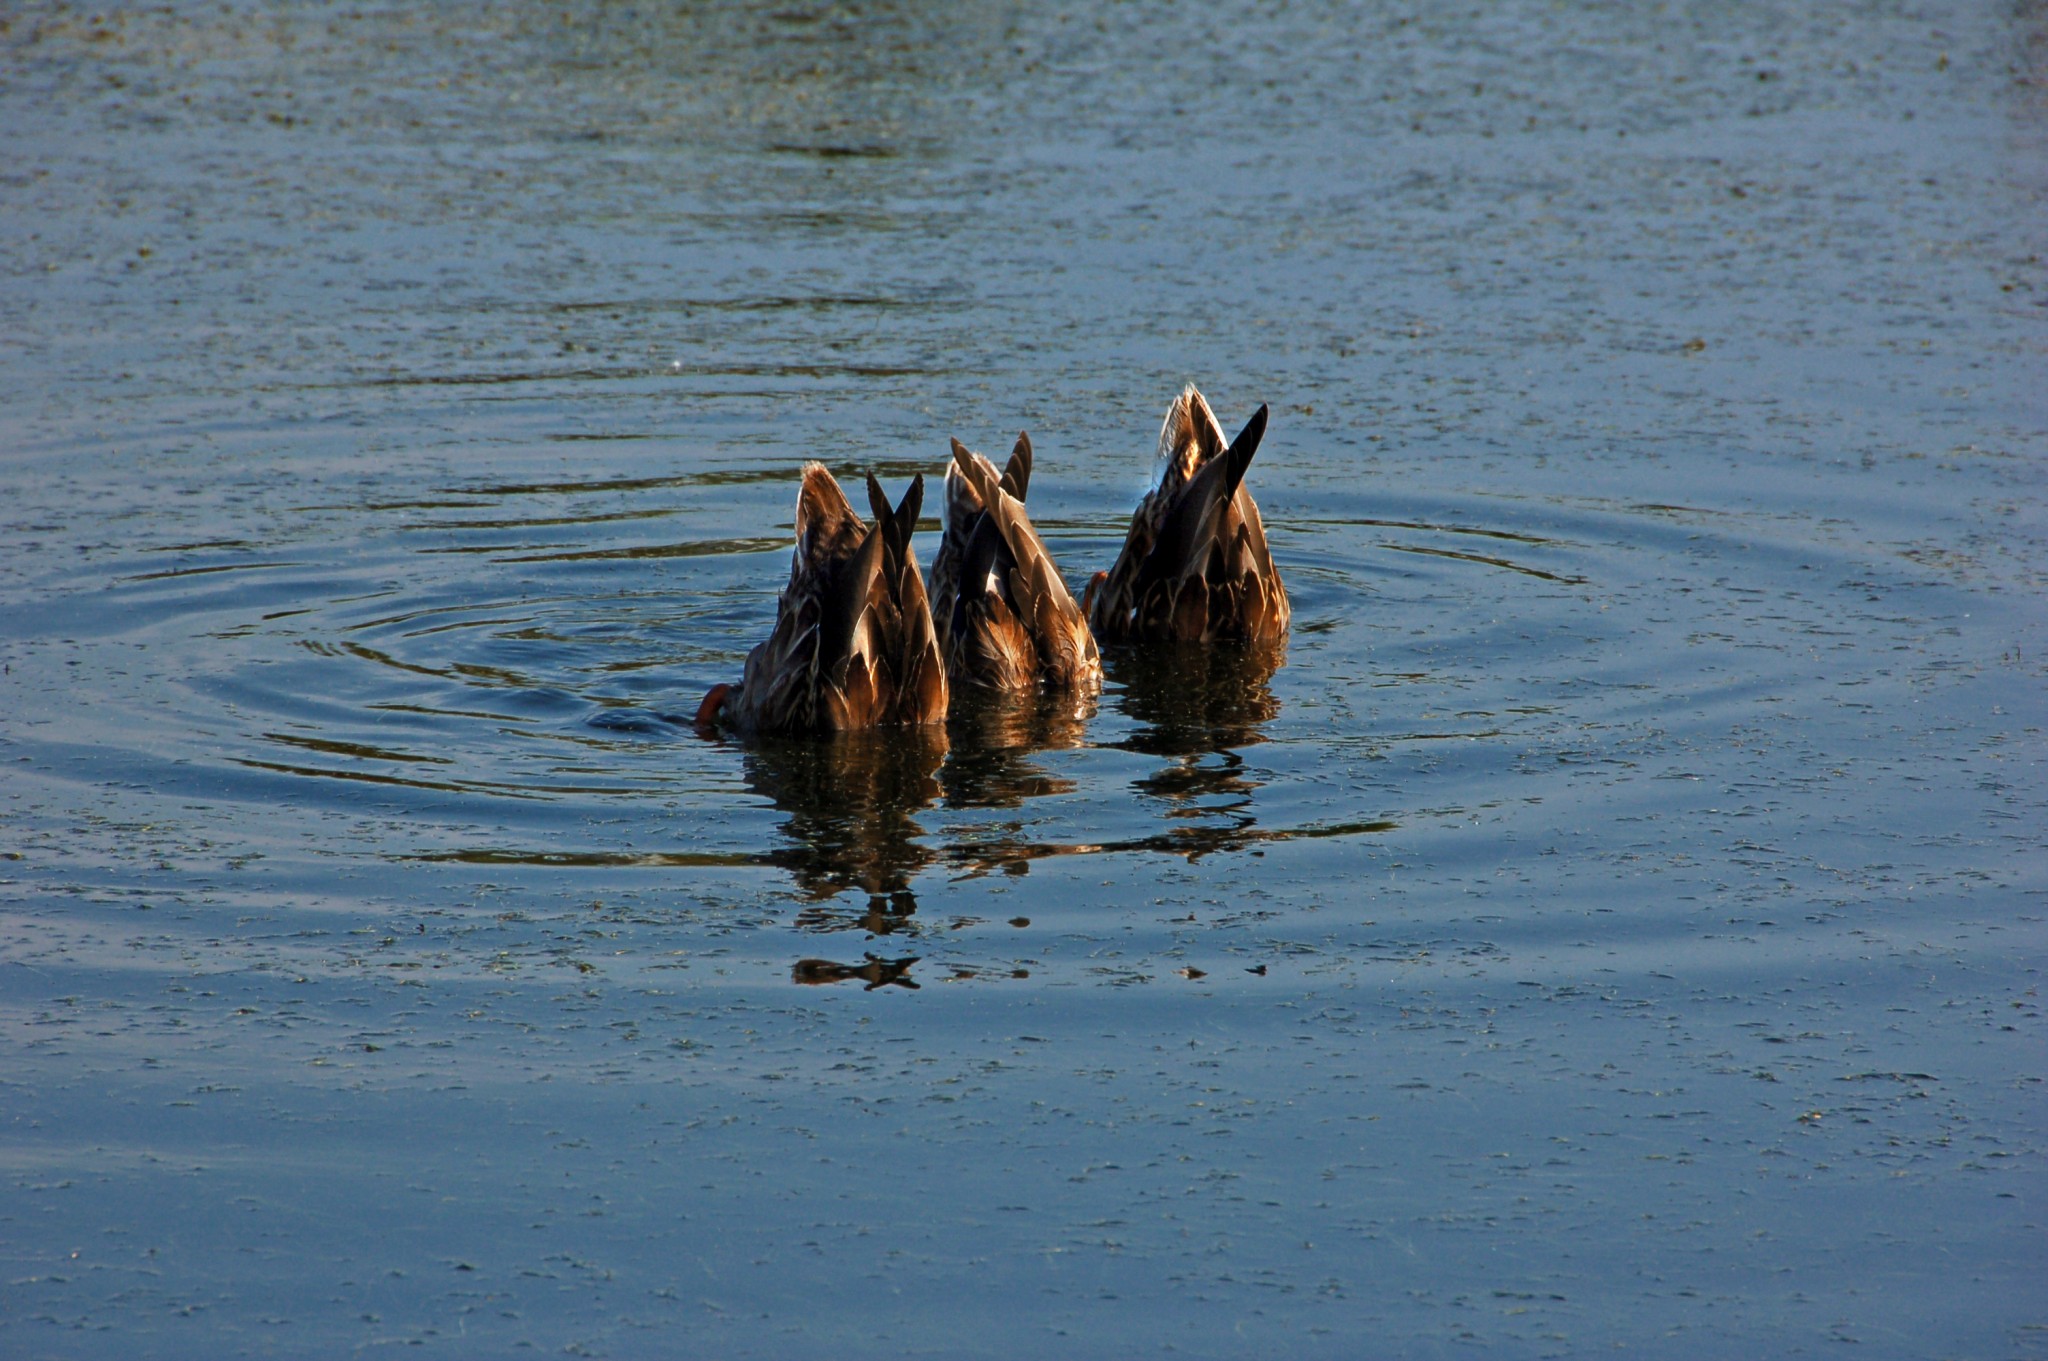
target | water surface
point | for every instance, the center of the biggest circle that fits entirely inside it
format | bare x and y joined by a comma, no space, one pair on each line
1613,919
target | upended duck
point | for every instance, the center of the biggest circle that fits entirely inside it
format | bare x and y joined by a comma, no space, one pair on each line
1194,567
1004,616
853,645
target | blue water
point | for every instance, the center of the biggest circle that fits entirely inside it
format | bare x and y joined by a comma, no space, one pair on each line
1614,920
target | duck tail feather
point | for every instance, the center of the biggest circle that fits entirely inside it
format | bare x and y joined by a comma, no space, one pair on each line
1017,473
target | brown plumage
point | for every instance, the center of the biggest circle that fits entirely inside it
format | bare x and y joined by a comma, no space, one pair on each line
1194,567
853,645
1005,617
963,517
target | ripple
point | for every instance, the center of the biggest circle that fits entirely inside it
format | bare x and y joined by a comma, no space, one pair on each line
1487,560
535,680
697,549
174,573
1644,811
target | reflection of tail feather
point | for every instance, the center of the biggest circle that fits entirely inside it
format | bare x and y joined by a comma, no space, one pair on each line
875,973
1188,778
883,869
979,858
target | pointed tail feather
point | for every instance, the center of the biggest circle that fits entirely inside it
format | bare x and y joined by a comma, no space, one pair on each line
878,501
1017,473
912,506
1239,455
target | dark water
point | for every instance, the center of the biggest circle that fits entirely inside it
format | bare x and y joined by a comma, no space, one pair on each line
1614,920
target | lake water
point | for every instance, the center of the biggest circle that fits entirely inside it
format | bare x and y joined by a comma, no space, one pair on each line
1613,921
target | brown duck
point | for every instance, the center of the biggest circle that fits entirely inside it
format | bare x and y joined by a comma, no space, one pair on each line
853,645
1195,567
1004,616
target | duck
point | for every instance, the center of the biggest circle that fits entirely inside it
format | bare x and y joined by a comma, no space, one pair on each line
1195,567
853,645
1005,618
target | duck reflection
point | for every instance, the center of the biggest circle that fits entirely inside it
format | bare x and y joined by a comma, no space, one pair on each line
875,973
1194,701
994,735
851,800
1196,706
